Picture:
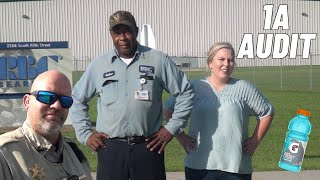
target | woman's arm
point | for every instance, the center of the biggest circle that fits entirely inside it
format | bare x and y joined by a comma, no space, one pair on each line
262,127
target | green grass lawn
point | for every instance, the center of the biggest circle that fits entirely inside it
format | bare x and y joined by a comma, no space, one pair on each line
288,88
294,91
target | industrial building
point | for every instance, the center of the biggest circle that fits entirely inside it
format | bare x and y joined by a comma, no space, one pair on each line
264,33
182,28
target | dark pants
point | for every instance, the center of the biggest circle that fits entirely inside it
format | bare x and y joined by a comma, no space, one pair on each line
121,161
203,174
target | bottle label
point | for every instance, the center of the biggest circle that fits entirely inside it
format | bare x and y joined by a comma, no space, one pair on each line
293,152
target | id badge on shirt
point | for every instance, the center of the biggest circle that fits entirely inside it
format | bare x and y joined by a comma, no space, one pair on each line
141,95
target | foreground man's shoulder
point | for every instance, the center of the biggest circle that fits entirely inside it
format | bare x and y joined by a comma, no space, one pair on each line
9,137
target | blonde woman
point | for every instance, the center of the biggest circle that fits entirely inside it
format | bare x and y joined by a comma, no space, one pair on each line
218,145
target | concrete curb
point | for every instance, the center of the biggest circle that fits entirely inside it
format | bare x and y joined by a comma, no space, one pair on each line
286,175
266,175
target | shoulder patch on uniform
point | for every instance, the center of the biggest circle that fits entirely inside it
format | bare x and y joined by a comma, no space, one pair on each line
12,136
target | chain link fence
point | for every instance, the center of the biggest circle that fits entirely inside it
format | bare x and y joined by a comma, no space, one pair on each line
277,74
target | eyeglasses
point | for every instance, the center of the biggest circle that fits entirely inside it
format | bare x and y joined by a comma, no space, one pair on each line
49,98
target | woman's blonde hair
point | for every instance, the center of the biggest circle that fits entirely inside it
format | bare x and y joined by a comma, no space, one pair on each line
216,47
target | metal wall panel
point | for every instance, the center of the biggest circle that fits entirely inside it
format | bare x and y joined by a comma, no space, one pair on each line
181,27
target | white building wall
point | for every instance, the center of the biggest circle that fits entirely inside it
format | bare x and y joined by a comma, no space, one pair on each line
181,27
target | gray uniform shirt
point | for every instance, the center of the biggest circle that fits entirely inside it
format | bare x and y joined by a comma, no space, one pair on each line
119,113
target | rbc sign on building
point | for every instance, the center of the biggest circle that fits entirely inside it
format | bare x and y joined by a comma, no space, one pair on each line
20,64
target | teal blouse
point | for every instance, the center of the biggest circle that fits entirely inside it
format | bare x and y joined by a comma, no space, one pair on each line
219,122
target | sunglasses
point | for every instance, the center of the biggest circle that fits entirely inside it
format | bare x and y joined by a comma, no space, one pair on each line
49,98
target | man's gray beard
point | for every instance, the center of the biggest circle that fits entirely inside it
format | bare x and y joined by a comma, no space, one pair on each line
49,127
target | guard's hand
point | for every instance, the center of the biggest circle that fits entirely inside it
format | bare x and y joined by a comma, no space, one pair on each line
187,142
250,145
95,140
161,138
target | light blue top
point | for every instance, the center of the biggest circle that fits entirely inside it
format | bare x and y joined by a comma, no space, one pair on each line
219,122
119,114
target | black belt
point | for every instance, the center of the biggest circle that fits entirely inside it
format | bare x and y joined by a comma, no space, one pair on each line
131,140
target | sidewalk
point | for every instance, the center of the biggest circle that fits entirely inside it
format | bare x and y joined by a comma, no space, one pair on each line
267,175
286,175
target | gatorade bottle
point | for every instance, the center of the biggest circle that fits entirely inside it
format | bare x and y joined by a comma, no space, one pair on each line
296,142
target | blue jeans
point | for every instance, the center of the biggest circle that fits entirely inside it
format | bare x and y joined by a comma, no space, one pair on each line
204,174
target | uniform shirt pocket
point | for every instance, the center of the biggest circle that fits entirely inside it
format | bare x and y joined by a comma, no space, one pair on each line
148,84
109,91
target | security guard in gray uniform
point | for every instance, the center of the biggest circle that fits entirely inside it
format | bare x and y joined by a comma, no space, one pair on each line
129,81
37,150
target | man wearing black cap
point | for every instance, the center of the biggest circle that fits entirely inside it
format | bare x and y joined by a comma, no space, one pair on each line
129,81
